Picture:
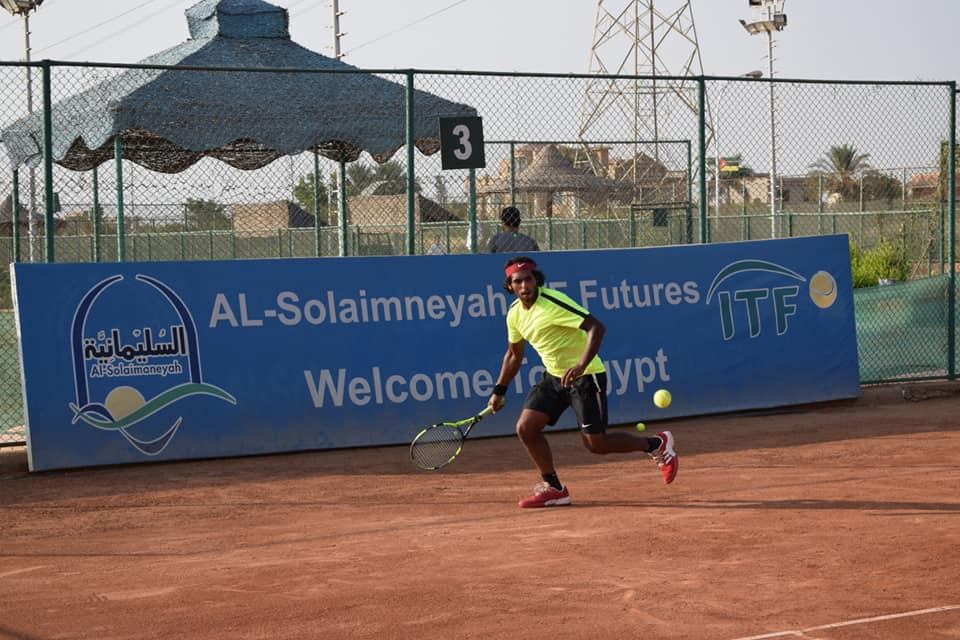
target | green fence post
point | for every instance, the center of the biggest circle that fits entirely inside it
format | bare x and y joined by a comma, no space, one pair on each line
942,234
95,216
121,232
15,216
472,173
342,204
513,175
47,162
316,203
903,189
411,182
746,218
702,148
820,205
952,245
689,237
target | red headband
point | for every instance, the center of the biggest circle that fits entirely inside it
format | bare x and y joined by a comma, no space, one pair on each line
520,266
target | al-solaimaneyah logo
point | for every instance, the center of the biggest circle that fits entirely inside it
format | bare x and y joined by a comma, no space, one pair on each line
136,352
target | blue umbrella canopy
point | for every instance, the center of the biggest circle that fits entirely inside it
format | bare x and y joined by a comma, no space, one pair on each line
169,118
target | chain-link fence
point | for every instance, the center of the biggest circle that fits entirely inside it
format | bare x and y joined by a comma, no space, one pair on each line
590,161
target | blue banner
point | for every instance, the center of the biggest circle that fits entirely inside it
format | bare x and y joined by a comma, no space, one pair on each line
130,362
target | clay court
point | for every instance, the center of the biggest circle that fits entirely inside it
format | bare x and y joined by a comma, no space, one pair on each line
828,522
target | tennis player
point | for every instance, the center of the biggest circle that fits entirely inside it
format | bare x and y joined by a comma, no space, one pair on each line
568,339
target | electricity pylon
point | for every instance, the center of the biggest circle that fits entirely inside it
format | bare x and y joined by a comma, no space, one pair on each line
655,40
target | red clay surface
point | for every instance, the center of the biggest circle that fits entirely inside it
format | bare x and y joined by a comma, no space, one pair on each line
833,522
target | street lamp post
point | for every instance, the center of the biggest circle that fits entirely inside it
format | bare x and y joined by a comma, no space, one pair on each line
774,20
23,8
716,141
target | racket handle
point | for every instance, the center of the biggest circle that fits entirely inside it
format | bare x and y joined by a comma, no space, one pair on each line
487,410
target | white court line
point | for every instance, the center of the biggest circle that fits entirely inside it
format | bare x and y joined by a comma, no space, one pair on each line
24,570
800,633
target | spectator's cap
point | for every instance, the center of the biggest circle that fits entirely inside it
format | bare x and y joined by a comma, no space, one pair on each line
510,216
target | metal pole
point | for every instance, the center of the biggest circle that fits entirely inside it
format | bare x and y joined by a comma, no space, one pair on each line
513,175
15,215
716,156
316,203
342,179
95,216
336,30
473,210
702,150
31,172
952,246
689,238
411,184
773,139
47,162
121,232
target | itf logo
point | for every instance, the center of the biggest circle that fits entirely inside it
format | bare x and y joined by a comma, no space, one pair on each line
135,353
768,290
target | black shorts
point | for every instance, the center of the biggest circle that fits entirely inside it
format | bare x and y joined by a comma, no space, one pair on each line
588,396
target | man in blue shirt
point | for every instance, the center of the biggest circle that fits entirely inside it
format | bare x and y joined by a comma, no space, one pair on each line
510,240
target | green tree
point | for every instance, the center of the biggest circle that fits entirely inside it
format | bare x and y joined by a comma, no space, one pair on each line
841,168
383,179
943,185
304,192
206,215
880,186
886,261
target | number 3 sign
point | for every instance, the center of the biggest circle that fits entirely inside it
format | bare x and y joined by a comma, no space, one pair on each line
461,143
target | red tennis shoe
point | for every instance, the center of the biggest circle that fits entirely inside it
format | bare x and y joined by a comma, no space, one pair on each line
667,459
546,496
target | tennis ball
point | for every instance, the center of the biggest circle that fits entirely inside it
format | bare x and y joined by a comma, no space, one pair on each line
641,426
662,398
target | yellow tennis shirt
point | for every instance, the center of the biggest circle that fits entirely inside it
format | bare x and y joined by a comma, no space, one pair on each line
552,326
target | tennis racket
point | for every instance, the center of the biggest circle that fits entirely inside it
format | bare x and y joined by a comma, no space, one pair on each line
436,446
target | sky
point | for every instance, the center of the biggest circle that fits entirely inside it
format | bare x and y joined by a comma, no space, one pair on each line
824,39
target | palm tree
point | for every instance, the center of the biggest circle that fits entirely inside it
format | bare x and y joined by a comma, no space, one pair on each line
841,167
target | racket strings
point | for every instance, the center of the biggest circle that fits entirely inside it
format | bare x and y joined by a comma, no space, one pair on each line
436,446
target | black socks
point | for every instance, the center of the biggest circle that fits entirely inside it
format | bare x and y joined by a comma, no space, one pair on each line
552,480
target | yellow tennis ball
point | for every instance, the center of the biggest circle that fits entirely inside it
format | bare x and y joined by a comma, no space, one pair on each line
641,426
662,398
